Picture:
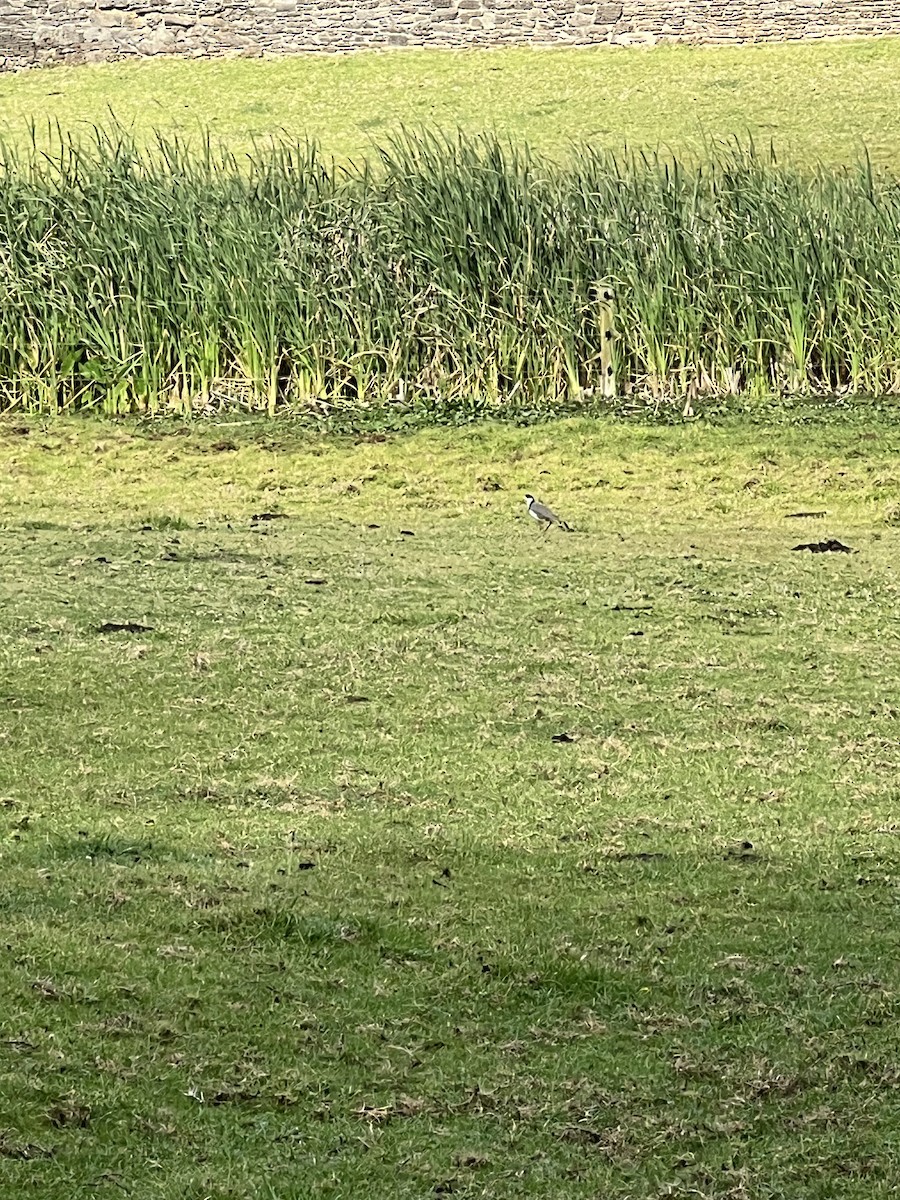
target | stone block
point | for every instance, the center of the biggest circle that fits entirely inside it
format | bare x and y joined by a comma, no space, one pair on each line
107,17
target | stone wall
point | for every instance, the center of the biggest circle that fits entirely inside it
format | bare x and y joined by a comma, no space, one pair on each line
35,32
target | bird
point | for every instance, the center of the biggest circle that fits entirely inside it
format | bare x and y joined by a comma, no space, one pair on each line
543,515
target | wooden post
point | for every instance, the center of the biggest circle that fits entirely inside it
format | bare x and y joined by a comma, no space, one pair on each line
606,300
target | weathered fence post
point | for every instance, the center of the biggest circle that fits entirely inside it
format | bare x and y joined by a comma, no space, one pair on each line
606,301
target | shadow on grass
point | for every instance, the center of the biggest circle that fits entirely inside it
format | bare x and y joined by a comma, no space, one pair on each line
108,847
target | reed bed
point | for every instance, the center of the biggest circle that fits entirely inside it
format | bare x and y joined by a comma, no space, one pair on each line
450,272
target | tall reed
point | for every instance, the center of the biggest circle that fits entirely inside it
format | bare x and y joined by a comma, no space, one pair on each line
450,271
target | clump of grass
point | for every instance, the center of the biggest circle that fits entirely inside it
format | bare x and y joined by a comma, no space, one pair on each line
454,273
165,522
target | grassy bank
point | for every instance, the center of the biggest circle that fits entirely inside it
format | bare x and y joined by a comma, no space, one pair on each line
453,275
458,860
819,102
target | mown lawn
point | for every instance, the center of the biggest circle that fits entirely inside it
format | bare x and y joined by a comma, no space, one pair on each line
395,849
817,102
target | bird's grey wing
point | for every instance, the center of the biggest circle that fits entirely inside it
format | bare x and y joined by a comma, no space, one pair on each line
543,513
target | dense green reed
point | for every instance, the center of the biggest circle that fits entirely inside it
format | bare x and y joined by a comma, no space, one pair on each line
458,272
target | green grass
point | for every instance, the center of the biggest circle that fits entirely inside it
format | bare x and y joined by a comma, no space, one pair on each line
301,897
818,102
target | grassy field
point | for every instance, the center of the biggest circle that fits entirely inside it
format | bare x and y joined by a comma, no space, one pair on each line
819,102
359,840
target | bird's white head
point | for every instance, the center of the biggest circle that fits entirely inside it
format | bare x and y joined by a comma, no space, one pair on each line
529,499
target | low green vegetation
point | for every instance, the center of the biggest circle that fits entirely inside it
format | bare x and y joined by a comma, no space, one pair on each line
357,839
819,102
451,275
